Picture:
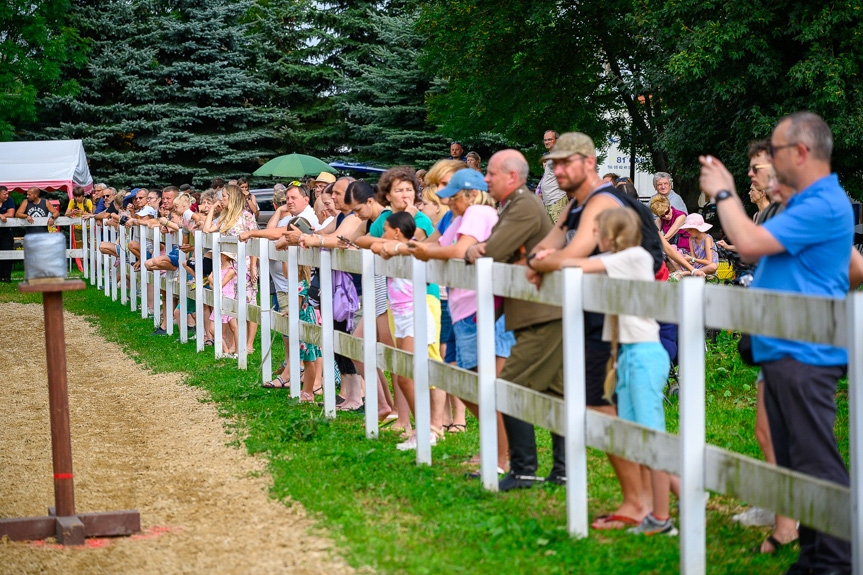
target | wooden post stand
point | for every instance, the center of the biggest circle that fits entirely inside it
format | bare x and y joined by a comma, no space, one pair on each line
62,521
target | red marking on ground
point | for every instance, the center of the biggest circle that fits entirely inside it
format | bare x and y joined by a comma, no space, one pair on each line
101,542
156,531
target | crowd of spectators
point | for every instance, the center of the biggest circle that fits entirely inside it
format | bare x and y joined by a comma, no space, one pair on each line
574,217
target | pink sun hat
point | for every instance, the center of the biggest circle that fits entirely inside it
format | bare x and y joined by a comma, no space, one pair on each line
695,221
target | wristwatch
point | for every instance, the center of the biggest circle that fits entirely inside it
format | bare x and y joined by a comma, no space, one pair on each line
722,195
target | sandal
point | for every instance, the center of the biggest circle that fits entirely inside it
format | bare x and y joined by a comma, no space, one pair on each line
774,542
272,384
456,428
209,343
605,522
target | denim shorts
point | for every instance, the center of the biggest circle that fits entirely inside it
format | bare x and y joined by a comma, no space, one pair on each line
174,256
447,333
642,371
465,341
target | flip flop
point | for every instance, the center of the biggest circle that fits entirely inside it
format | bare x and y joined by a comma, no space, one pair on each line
599,522
282,384
777,545
388,420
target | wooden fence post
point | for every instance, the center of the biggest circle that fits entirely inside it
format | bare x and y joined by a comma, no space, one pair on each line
294,320
200,321
370,350
145,297
691,352
242,308
854,313
575,402
422,399
329,376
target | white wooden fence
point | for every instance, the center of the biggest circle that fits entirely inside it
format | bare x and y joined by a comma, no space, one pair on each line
77,252
691,304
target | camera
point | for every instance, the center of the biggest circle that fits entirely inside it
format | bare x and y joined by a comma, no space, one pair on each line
123,220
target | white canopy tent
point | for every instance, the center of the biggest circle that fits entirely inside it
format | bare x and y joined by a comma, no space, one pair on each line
49,165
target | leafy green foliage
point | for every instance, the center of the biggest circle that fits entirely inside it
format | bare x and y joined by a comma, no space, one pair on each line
728,71
36,42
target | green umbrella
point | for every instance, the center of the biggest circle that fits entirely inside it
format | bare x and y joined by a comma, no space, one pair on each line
294,166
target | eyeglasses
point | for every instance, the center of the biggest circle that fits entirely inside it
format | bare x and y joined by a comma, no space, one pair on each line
754,168
567,161
771,149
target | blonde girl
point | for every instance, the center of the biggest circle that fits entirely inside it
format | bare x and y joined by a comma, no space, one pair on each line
641,362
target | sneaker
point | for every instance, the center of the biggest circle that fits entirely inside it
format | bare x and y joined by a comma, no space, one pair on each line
512,481
755,516
652,526
159,331
412,443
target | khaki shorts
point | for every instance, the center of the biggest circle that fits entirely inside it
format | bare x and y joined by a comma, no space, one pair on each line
556,209
284,301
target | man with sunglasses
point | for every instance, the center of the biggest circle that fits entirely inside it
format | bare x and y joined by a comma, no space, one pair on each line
805,249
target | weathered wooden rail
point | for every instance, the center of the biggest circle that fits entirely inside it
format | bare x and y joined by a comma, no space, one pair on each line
691,304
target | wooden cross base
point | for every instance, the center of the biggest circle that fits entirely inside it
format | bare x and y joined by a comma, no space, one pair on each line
62,522
74,529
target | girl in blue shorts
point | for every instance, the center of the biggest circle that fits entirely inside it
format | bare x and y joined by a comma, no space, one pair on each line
642,362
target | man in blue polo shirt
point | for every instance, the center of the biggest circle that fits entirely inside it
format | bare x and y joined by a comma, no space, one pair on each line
806,249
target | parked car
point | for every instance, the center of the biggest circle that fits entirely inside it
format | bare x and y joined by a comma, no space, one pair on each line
264,197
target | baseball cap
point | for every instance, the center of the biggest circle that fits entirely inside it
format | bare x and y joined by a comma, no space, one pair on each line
571,143
466,179
147,211
326,178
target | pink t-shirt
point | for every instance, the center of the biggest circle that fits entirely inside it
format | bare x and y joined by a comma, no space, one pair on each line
476,222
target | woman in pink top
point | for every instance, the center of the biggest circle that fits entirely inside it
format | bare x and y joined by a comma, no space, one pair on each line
474,219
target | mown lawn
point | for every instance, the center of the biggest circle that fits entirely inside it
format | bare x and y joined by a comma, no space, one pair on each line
385,512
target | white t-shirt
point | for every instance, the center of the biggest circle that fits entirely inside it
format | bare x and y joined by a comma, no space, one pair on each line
630,264
279,279
308,214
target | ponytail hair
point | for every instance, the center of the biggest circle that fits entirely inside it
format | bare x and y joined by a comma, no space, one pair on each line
621,226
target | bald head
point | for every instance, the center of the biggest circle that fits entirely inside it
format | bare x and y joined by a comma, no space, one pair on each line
507,171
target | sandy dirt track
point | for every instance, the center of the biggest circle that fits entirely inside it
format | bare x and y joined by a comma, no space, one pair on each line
150,445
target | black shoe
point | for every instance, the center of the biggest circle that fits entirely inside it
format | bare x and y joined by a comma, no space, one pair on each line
159,331
512,481
556,479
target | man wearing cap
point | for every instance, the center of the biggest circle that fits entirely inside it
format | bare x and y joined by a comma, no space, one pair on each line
536,359
574,159
553,197
456,152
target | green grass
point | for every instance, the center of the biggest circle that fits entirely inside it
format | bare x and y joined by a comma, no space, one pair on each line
386,512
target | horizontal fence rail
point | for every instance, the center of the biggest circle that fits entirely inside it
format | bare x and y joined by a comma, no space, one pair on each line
691,304
77,252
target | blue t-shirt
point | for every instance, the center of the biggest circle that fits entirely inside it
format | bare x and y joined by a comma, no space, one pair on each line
9,204
100,207
444,222
817,232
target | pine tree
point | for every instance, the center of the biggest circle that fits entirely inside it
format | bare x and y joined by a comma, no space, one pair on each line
170,95
385,101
